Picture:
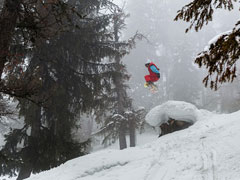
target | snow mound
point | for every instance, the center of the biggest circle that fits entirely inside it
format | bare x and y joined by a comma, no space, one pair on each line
177,110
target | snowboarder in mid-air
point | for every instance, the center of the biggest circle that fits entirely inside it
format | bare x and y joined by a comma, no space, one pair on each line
153,76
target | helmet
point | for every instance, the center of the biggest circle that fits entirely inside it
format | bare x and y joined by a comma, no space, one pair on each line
148,61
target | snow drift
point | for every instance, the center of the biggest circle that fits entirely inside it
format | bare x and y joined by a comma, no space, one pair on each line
177,110
210,149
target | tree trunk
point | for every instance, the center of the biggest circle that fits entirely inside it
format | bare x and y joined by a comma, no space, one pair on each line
120,109
132,133
122,136
30,151
120,91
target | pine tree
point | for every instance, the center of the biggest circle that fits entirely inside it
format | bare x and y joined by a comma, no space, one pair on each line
73,79
122,100
31,22
221,58
123,119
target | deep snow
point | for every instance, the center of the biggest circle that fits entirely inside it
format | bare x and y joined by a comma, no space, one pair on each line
210,150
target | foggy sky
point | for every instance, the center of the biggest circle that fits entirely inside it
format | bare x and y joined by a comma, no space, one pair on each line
169,47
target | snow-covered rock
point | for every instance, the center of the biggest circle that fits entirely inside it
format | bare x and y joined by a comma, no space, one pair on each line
177,110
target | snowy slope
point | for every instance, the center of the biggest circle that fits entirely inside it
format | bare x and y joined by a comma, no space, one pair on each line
210,150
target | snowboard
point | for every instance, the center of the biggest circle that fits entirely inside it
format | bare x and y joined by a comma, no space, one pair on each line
152,87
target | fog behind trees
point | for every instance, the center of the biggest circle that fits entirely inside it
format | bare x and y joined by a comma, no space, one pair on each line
174,52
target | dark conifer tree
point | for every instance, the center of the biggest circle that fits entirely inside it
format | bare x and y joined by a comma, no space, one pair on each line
34,22
72,79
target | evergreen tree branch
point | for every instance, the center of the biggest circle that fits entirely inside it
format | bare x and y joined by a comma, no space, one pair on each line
221,58
200,12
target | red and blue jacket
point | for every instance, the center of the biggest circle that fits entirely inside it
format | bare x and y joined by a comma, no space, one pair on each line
153,70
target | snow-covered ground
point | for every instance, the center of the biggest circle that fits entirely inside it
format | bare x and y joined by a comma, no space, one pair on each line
149,135
208,150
